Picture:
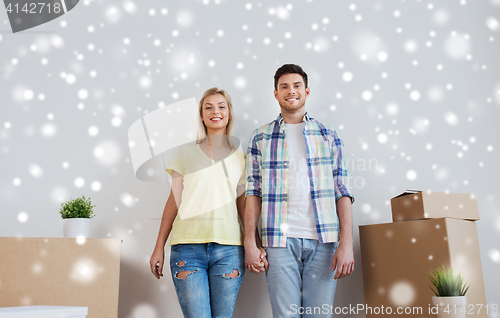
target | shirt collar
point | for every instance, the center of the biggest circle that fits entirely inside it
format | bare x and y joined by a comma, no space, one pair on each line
281,121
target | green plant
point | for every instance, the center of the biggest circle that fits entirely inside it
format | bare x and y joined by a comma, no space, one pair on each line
77,208
447,283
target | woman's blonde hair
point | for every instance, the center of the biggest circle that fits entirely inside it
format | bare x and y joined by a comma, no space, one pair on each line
202,129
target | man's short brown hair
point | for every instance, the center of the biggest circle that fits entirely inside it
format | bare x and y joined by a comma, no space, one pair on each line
289,69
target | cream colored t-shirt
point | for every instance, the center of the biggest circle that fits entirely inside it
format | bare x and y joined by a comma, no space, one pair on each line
208,208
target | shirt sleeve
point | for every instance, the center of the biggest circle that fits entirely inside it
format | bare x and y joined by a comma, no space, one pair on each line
254,167
177,163
339,168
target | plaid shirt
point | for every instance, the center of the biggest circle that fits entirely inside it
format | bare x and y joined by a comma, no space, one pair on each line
267,177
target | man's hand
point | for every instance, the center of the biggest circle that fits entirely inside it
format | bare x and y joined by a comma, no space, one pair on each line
156,262
343,260
255,259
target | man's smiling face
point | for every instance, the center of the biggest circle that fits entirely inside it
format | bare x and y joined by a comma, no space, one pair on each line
292,93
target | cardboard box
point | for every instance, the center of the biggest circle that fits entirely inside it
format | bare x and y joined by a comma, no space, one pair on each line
396,258
44,312
419,205
61,272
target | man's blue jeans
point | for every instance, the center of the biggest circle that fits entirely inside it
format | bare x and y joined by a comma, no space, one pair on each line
207,278
300,278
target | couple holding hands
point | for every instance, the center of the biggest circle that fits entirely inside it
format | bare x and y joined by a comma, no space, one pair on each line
293,178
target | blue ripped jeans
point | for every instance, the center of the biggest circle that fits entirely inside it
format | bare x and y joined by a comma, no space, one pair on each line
207,278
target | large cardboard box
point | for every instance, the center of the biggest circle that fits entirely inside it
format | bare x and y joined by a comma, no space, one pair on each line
419,205
61,272
396,258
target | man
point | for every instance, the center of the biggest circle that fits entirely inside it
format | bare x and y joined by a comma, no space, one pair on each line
296,179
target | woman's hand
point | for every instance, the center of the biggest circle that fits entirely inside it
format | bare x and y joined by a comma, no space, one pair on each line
156,262
169,214
264,264
255,259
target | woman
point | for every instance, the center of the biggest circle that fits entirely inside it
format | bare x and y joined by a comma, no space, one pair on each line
207,255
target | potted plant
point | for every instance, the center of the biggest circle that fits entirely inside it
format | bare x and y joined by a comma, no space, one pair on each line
449,289
76,216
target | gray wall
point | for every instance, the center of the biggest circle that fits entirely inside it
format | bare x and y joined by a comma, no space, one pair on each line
422,106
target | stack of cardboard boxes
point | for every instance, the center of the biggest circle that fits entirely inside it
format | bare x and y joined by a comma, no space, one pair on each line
429,230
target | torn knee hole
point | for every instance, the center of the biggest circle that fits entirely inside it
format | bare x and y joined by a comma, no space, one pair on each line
234,274
184,274
181,263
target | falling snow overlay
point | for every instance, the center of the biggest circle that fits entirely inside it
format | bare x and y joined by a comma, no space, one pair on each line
412,87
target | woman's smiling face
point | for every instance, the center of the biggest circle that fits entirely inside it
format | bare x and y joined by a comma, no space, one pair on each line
215,114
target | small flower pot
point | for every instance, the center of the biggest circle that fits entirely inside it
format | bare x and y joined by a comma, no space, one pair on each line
450,307
73,228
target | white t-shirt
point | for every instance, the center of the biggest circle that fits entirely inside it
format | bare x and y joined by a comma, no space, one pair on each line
300,213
